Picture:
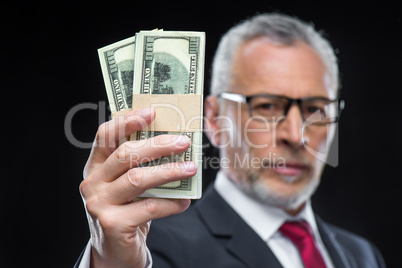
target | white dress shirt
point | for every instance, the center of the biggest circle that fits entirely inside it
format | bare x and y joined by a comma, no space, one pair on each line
266,221
86,258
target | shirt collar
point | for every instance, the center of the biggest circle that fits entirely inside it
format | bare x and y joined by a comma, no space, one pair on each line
264,220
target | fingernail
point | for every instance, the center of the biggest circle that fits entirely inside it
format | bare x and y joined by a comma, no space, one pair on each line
188,166
186,202
145,113
181,140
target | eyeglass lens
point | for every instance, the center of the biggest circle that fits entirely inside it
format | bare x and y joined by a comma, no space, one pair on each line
315,111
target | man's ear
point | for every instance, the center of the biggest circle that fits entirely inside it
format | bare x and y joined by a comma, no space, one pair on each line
211,126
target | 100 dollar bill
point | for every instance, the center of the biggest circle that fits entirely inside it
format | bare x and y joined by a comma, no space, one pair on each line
158,63
117,63
172,63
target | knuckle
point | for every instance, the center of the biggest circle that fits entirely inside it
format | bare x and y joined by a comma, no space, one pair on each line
108,221
151,206
161,141
91,206
135,120
92,195
88,168
122,153
155,141
84,185
134,177
101,131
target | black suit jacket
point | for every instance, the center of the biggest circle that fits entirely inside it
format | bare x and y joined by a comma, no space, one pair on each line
212,234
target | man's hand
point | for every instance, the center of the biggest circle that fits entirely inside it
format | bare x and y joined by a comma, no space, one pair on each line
113,178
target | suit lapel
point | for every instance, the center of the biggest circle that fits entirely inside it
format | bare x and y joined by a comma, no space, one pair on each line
332,245
243,242
247,246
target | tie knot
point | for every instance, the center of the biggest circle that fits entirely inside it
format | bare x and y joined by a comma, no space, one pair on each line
300,233
296,229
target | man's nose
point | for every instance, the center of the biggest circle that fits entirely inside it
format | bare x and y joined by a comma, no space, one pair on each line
289,130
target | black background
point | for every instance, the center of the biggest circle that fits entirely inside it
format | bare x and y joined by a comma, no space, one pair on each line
50,64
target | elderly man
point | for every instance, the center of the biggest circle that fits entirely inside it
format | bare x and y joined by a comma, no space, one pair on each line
272,111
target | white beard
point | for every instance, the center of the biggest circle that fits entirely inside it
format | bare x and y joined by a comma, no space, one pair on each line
262,193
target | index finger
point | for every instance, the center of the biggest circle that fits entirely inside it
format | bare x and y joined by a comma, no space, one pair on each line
110,133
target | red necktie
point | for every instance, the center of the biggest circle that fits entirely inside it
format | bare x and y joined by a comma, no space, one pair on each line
300,233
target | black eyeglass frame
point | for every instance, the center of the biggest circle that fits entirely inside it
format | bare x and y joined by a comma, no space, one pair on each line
247,99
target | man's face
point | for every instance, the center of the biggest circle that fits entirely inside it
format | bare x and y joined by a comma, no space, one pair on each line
270,161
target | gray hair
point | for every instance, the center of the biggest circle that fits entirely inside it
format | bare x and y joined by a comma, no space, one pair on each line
281,29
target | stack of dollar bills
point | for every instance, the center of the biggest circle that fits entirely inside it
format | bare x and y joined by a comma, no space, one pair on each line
172,62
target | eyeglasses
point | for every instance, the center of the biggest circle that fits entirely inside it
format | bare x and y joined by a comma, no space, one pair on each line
266,107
